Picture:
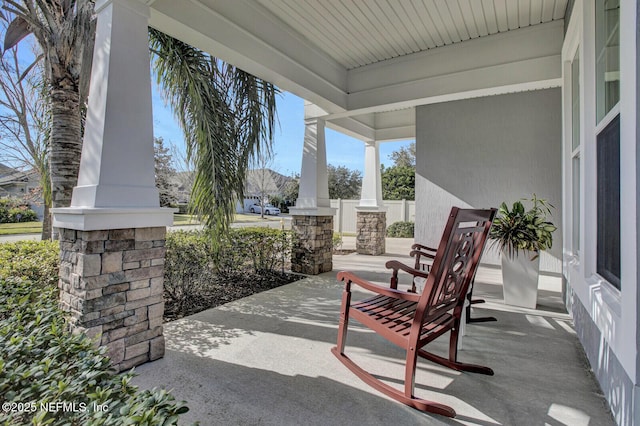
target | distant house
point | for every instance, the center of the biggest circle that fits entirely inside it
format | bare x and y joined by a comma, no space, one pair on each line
265,183
17,183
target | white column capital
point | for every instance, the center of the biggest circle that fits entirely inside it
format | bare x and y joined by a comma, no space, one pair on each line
140,7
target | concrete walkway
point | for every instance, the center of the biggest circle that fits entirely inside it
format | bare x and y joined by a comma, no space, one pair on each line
265,360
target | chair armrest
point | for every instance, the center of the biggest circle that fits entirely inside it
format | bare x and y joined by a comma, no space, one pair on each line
423,247
351,278
399,266
420,253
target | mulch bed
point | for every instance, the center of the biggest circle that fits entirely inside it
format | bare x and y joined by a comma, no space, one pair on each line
227,289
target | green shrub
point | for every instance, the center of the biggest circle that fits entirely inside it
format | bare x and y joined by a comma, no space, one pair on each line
336,241
188,266
42,363
13,210
192,265
258,248
36,261
401,230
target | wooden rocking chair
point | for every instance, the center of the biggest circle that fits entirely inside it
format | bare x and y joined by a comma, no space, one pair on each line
424,259
412,320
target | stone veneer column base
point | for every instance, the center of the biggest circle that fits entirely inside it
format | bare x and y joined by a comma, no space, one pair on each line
371,228
111,282
312,252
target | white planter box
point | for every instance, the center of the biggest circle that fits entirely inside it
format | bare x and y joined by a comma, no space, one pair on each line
520,279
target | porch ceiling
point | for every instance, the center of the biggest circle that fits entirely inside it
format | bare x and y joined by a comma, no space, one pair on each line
355,33
365,64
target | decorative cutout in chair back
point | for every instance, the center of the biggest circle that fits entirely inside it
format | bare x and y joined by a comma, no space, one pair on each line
457,258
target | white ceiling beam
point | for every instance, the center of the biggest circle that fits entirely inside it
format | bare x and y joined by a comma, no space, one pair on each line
523,56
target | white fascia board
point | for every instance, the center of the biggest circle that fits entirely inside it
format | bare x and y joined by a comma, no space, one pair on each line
249,37
356,129
522,56
397,133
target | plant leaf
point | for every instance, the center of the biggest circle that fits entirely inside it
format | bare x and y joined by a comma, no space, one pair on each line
16,31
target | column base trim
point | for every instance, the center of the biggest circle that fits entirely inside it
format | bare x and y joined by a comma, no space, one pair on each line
94,219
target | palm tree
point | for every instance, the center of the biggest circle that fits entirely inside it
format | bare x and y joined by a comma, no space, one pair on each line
65,30
227,115
228,118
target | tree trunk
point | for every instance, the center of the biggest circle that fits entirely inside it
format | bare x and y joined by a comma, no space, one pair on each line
46,224
66,142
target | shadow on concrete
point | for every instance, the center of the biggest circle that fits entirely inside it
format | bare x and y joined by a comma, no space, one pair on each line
266,360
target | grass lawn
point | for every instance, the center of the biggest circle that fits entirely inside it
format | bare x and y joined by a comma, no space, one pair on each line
178,219
20,228
185,219
246,218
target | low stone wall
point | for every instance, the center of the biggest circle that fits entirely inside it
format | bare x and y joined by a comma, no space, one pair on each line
312,252
371,228
111,282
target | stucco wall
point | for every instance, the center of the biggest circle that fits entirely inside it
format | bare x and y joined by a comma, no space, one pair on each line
480,152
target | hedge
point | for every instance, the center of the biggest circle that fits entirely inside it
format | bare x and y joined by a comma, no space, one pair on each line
192,266
36,261
14,211
401,230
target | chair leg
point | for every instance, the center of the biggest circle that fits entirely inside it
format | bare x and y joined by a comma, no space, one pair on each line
344,320
452,362
410,373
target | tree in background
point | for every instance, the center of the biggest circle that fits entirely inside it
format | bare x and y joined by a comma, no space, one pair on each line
344,183
399,180
165,174
405,156
227,115
398,183
25,124
291,189
260,179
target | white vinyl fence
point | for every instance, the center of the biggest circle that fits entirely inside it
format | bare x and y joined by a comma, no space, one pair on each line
345,218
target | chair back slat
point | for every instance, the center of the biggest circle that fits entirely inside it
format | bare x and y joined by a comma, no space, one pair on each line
456,262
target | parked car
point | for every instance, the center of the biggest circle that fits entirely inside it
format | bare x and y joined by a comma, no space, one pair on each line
269,209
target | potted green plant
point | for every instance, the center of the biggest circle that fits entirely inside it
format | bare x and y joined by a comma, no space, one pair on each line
521,235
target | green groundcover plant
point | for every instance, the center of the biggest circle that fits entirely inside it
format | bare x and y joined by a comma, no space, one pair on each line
50,376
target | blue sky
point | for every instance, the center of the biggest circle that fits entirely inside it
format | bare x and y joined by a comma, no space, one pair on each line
342,150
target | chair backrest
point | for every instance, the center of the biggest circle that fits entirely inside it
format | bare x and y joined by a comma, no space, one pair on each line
456,262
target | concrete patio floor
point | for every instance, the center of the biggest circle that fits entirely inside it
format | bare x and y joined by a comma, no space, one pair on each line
266,360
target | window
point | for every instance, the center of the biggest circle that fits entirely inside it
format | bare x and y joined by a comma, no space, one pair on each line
608,202
607,56
608,140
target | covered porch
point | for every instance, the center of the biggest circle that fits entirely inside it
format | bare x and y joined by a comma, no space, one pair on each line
503,99
227,362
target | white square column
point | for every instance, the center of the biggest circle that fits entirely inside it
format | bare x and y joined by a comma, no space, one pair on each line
371,195
116,184
371,214
112,238
312,222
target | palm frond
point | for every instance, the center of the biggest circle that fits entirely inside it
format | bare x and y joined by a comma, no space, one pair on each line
227,116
